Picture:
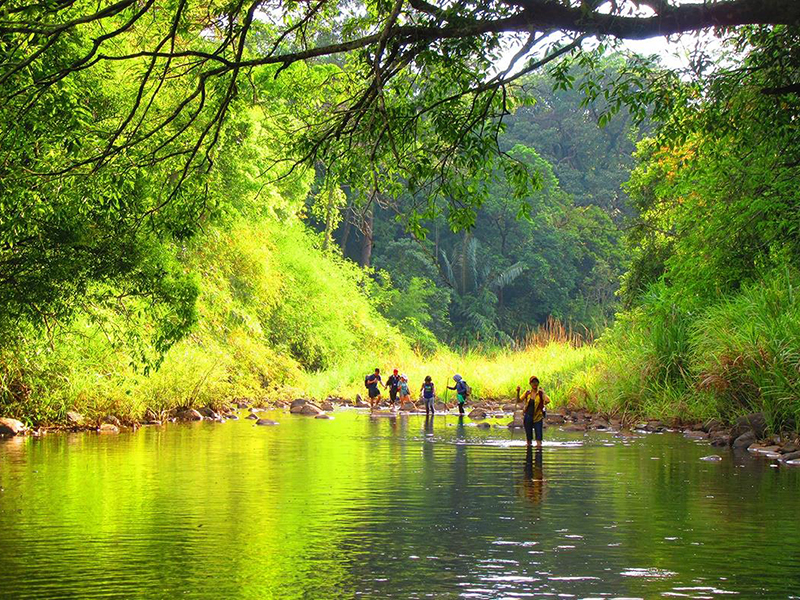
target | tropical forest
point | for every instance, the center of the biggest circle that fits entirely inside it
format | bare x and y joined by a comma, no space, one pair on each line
288,286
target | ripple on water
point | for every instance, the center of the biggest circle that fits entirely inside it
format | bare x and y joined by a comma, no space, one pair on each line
648,573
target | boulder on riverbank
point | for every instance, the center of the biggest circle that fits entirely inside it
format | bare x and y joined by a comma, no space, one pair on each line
208,412
327,406
744,441
188,414
11,427
112,420
755,422
75,419
107,428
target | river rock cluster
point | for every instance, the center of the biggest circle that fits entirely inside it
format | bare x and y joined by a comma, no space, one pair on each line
748,433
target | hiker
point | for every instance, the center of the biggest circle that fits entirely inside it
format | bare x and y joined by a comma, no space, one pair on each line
428,395
371,382
462,391
533,419
393,383
405,394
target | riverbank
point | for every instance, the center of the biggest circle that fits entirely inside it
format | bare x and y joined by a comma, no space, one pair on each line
749,433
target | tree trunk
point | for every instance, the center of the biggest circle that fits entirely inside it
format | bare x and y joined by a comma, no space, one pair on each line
348,225
366,241
326,242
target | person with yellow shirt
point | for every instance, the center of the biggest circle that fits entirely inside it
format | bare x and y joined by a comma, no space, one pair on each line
533,417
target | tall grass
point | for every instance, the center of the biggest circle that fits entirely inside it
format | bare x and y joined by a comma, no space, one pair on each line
668,359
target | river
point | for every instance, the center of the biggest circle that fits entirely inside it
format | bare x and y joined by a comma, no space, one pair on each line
361,507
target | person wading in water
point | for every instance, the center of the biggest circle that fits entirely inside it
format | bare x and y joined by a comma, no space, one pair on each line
462,391
533,419
428,395
393,383
372,381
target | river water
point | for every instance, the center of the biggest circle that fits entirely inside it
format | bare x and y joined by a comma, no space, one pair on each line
361,507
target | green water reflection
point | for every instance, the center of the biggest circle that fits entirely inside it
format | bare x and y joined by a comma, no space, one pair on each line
389,507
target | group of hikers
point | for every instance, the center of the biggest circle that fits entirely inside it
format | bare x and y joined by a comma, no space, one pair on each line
534,398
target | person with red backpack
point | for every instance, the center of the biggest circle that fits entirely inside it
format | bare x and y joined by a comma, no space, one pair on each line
533,416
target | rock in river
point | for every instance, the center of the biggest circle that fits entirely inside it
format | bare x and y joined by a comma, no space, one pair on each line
265,422
324,416
108,428
712,458
308,409
327,406
745,440
477,413
791,456
251,417
11,427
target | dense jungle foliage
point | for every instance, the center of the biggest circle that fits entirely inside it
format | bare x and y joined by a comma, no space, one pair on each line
170,236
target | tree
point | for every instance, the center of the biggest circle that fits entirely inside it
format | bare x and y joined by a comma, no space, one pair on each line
413,69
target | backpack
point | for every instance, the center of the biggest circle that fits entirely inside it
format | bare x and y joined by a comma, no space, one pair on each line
366,381
468,390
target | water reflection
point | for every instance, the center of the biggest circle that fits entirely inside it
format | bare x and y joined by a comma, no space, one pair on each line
533,482
388,507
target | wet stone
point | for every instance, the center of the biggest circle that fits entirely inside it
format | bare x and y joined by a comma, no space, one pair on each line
721,440
712,458
309,409
324,416
108,428
744,440
575,427
791,456
11,427
251,417
266,422
207,412
478,413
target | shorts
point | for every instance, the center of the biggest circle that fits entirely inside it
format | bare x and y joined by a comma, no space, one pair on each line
461,399
531,427
374,392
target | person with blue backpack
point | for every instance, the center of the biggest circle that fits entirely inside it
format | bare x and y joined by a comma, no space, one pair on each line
462,391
